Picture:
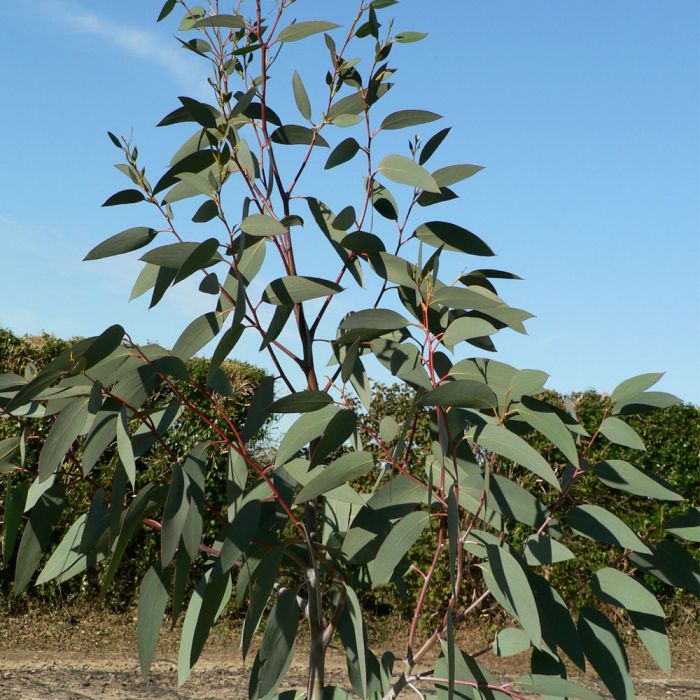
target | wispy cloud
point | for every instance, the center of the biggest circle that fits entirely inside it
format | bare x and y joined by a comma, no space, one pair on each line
136,42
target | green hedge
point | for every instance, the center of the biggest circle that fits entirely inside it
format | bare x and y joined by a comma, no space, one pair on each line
672,439
20,354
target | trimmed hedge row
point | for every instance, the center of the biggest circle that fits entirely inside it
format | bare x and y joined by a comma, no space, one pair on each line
672,439
20,354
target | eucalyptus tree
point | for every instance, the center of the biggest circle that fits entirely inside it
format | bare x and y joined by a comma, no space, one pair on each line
304,532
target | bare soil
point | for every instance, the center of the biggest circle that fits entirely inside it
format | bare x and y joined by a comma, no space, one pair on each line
70,654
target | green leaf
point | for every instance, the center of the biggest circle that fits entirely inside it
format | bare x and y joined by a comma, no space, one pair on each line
621,475
409,37
340,427
305,429
671,564
37,534
300,30
237,536
66,555
543,550
432,144
199,258
124,447
167,8
615,588
606,652
295,135
124,197
343,152
396,544
197,334
352,634
510,641
546,420
462,393
295,289
467,328
512,500
618,432
634,386
63,433
206,212
227,21
374,319
174,515
686,526
505,577
15,498
452,237
301,97
646,402
345,468
455,173
153,598
408,117
277,647
262,225
554,686
503,442
260,589
258,412
174,255
407,172
601,525
206,604
388,429
124,242
301,402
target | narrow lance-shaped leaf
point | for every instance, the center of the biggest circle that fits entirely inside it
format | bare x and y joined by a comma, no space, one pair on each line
124,447
153,598
396,544
300,30
124,242
301,97
407,172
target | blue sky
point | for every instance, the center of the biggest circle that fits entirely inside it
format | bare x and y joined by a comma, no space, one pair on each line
585,114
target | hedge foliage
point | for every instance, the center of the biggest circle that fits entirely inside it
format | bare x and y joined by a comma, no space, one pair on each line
31,353
672,440
671,436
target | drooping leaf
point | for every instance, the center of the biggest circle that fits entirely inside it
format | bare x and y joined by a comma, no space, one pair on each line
464,393
345,468
174,515
600,524
408,117
124,242
343,152
295,135
301,402
37,534
153,598
15,498
124,197
352,634
505,577
301,97
553,686
407,172
338,429
510,641
620,433
277,648
198,259
201,331
606,652
374,319
621,475
206,604
305,429
432,144
63,433
455,173
300,30
452,237
686,526
124,447
294,289
174,255
396,544
262,225
503,442
467,328
543,550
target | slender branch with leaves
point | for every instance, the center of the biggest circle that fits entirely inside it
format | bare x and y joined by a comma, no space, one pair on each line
301,537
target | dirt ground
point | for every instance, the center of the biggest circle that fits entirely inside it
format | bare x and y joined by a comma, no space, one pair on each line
73,655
